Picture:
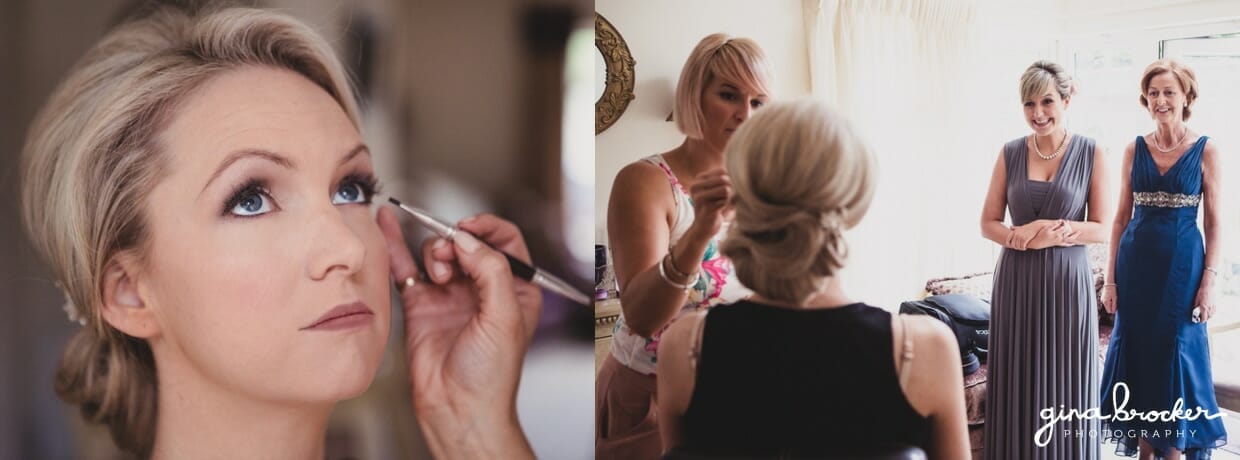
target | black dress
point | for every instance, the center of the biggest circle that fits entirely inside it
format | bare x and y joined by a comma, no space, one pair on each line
781,382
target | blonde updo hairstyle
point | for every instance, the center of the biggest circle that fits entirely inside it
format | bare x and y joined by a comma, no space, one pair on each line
717,55
1182,74
801,176
1042,75
93,154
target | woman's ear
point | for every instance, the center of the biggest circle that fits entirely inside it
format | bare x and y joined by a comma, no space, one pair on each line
123,305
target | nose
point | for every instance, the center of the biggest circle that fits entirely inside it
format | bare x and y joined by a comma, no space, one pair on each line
334,245
744,112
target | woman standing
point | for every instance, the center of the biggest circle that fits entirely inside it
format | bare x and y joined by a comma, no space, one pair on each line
1044,323
665,217
1163,278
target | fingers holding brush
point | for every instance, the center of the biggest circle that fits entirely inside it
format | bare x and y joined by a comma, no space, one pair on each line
497,232
439,260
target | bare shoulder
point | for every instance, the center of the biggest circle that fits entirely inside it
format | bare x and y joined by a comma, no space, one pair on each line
933,377
1211,149
639,196
929,332
638,176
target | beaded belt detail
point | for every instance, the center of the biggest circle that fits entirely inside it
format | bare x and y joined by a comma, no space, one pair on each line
1165,200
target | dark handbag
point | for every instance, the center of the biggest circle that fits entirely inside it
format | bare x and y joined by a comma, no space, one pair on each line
967,316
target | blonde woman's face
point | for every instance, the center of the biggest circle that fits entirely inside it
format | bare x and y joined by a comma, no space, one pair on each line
261,232
1045,113
1165,98
725,105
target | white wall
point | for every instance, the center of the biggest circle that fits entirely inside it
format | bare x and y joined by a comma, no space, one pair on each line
660,35
1116,16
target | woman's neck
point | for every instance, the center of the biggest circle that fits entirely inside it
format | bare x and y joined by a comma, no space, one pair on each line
693,157
1170,132
199,419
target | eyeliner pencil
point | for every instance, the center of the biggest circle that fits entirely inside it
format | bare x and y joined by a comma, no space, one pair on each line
519,269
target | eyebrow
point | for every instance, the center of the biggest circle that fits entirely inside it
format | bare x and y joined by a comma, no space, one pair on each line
732,87
273,157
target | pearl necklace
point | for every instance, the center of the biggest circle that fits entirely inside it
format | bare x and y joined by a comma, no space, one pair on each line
1058,150
1173,146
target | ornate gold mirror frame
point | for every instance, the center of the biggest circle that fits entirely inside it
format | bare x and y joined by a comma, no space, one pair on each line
619,78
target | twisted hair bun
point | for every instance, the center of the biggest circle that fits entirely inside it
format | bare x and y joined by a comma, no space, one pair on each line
801,176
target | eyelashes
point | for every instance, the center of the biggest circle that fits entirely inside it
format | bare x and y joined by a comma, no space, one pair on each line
253,197
251,192
367,182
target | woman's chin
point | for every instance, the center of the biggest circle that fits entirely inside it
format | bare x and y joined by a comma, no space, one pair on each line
342,384
343,373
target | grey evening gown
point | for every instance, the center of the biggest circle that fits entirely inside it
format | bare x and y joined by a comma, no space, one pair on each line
1044,322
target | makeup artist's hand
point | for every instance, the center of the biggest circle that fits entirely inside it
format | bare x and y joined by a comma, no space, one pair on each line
711,194
466,332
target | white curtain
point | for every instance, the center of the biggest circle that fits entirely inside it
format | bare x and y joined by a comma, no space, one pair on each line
906,73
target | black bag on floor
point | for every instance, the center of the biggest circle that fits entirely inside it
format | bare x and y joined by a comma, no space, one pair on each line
967,316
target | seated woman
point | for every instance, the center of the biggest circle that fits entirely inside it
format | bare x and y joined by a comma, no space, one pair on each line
199,186
801,369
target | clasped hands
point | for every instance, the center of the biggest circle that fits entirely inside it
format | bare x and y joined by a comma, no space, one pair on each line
1042,234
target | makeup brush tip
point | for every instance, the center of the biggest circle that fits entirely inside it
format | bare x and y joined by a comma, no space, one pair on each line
394,201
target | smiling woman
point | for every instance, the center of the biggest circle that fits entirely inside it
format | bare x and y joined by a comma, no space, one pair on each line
200,188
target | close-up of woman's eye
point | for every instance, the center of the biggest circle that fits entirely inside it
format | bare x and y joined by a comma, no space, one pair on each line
727,96
355,189
250,200
756,103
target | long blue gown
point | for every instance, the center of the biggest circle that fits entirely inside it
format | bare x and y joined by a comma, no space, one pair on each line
1156,350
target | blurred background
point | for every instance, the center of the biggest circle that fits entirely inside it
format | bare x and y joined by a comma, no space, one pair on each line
468,106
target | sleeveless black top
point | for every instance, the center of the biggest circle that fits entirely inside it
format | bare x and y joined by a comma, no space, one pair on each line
781,382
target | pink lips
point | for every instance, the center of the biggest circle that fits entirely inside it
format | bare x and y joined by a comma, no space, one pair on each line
345,316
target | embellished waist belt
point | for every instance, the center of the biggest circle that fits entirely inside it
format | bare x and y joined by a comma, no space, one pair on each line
1165,200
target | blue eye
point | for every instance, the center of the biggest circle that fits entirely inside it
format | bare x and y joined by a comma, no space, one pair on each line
351,192
356,188
252,205
249,200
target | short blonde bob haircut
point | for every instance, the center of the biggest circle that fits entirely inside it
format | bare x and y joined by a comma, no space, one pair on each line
801,175
1182,73
94,153
717,56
